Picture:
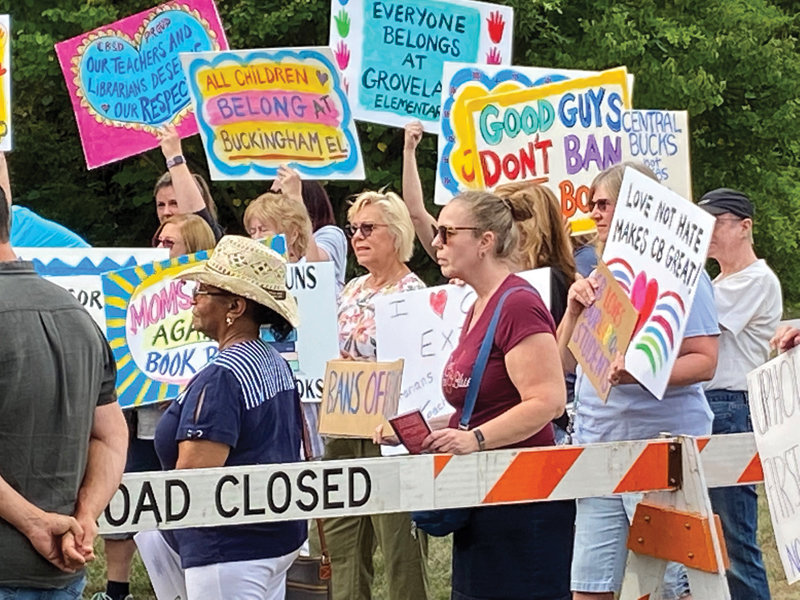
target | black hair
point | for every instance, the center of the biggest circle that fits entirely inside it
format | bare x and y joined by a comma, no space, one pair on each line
318,204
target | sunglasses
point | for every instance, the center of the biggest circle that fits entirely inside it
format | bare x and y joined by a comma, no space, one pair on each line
366,229
198,292
601,205
443,231
163,242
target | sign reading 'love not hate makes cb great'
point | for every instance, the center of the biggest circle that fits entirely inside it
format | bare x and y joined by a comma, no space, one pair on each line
125,79
656,249
259,109
391,53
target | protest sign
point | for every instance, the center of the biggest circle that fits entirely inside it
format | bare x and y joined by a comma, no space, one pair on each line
125,79
78,270
358,396
567,132
149,328
660,139
422,327
5,83
391,54
314,287
259,109
462,82
774,400
656,250
602,330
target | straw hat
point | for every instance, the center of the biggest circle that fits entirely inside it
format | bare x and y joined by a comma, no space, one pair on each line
249,269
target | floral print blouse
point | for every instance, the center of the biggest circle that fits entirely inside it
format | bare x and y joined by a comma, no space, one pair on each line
357,314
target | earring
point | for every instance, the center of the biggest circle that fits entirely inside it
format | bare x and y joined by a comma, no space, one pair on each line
229,321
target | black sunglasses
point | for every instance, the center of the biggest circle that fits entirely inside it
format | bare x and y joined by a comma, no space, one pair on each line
443,231
198,292
366,229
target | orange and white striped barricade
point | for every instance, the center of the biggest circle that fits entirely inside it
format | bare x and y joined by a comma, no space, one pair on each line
673,472
677,526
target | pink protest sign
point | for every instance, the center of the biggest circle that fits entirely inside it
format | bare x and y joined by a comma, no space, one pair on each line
125,79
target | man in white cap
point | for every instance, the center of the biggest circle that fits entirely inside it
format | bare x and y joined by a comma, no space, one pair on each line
748,298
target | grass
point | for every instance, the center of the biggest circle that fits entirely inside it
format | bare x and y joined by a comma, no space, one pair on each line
439,567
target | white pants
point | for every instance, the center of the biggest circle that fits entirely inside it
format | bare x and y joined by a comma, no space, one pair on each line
263,579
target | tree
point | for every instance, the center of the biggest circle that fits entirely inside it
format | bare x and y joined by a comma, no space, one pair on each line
733,64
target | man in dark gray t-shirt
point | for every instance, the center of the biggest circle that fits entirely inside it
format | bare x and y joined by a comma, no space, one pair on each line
62,434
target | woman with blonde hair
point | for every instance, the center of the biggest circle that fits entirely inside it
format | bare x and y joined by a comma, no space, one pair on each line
272,214
382,238
184,234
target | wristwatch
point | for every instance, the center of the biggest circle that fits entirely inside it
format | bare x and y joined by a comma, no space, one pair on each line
481,440
175,161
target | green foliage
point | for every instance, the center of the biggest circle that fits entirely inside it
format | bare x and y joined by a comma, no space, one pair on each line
733,64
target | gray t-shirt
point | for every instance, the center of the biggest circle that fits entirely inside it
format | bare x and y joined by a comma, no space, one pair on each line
55,368
331,239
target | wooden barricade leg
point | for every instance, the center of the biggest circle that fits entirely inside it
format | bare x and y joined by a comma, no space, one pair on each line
677,526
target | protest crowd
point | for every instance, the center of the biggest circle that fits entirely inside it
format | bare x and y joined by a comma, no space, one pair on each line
511,380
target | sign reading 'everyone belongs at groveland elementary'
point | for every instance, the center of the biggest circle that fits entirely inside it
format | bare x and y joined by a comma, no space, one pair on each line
259,109
125,79
774,400
391,53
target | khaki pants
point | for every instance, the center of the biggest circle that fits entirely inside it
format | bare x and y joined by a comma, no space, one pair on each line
352,542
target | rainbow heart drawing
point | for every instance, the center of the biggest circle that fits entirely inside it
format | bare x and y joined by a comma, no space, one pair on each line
661,316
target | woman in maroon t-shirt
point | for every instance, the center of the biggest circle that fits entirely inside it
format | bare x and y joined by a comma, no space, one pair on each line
520,550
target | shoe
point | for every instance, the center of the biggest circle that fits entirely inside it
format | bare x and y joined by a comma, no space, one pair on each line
104,596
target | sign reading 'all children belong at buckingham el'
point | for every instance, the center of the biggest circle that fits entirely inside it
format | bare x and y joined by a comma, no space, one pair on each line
392,53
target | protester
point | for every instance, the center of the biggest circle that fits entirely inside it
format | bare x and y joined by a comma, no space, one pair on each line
241,409
184,234
178,191
523,549
29,230
329,239
62,433
273,214
747,295
382,238
424,222
583,250
631,413
181,234
543,242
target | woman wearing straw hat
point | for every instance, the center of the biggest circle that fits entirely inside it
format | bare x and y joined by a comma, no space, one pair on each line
240,409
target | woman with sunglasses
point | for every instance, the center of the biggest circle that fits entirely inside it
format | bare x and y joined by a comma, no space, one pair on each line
382,238
631,413
512,551
184,234
181,234
241,409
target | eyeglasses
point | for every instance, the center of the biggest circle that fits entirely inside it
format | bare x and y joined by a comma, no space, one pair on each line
366,229
162,242
601,205
443,231
198,292
728,219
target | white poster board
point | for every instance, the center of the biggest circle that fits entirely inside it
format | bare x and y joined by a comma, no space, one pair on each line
391,54
314,287
774,399
660,139
656,249
78,270
423,327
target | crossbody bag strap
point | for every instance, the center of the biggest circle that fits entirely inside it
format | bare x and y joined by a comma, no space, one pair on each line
483,357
